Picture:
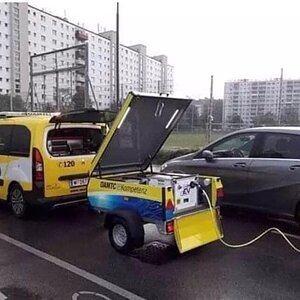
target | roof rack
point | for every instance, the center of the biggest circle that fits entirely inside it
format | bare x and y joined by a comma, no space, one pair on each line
11,114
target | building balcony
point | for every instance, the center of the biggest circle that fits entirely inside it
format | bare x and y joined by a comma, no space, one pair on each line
80,54
81,35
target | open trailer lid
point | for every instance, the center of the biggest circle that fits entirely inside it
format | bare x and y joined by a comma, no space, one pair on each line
138,132
86,115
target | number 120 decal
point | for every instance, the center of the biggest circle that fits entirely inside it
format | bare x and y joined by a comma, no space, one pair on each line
67,164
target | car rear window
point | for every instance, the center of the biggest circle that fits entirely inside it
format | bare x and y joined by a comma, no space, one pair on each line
74,141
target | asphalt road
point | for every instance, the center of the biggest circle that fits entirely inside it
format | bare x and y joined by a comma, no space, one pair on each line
65,254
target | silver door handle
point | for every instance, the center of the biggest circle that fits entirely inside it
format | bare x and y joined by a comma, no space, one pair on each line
240,165
294,167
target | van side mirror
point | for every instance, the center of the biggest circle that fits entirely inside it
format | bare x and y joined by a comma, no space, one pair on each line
208,155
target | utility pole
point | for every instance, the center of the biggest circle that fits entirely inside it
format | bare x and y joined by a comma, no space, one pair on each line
117,59
86,76
210,110
280,97
57,83
31,85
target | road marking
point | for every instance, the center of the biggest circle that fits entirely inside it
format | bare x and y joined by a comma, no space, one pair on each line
2,296
71,268
288,234
77,295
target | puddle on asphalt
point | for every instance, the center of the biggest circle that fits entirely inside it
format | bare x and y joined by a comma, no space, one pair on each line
155,252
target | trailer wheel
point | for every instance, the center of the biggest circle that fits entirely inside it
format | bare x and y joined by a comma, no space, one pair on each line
121,237
297,213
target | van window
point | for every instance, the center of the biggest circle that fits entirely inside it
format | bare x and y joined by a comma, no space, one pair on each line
5,135
20,142
74,141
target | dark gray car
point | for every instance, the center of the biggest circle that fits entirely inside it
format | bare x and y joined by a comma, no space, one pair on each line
259,168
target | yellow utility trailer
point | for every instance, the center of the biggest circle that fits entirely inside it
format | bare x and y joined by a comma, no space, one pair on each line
123,185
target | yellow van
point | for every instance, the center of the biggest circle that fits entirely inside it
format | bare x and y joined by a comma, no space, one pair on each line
45,158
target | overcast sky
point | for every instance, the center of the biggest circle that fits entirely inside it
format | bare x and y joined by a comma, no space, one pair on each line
230,39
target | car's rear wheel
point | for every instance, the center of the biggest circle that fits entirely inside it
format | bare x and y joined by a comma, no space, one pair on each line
297,213
17,201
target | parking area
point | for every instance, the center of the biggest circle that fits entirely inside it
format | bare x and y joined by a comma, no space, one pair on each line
65,254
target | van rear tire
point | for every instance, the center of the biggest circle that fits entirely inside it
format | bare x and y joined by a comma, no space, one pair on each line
17,201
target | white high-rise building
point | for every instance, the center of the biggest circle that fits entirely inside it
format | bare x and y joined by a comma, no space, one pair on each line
27,31
250,98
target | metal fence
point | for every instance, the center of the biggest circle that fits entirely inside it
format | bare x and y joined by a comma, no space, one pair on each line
59,79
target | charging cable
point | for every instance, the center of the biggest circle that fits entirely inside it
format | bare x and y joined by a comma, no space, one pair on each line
272,229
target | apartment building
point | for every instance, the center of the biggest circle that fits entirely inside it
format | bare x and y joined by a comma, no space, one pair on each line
26,31
250,98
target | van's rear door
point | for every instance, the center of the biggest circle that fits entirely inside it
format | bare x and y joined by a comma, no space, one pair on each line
5,140
69,151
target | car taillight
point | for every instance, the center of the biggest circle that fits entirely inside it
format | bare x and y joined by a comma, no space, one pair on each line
220,195
38,165
170,226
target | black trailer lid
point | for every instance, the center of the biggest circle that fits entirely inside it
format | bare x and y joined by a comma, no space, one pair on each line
138,132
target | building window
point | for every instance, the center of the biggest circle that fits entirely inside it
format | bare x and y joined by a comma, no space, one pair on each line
53,22
54,32
43,18
43,38
43,28
54,42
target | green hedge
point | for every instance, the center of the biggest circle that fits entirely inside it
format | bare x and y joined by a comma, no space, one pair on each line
165,154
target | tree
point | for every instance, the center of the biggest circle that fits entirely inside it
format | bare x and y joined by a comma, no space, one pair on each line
235,118
17,102
78,99
266,119
190,118
290,116
217,112
235,121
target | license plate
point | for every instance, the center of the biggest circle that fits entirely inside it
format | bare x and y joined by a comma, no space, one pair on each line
78,182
